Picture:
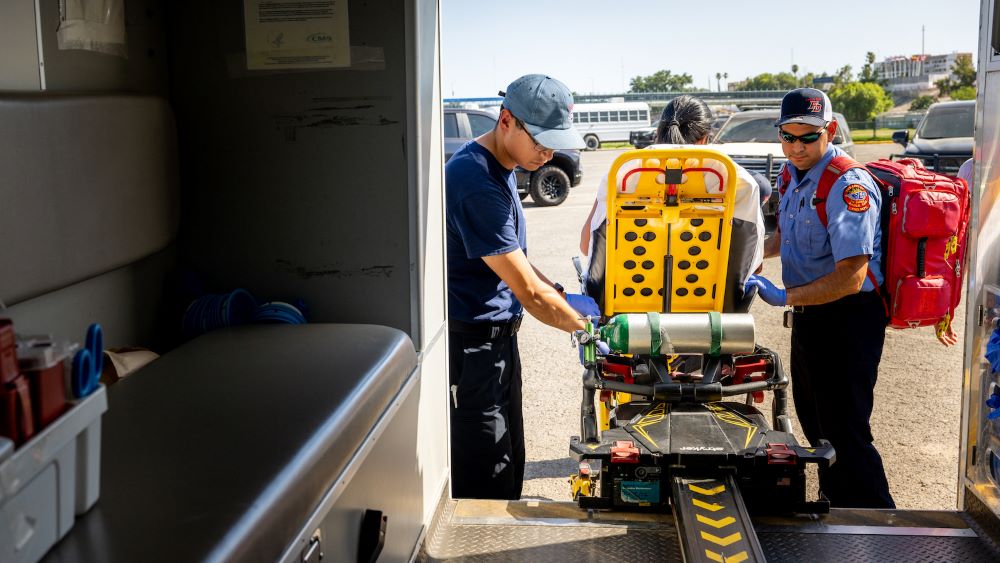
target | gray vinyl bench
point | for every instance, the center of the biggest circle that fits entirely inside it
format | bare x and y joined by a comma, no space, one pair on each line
232,446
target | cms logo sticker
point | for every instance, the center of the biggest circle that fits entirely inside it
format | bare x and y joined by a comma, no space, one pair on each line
319,38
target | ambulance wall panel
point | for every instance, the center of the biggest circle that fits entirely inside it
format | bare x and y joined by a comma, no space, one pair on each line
427,172
295,183
980,437
429,288
143,70
18,46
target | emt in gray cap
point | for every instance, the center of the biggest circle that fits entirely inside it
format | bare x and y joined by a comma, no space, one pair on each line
491,283
830,270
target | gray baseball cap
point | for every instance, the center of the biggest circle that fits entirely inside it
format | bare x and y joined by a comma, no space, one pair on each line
545,105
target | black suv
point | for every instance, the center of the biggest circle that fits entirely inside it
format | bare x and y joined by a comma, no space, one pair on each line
944,138
549,185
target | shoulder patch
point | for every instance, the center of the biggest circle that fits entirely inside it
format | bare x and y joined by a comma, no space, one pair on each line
856,198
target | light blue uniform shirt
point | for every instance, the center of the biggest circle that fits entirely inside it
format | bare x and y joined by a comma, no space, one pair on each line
808,250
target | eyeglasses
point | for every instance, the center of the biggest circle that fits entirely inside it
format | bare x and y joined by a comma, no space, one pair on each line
806,139
538,147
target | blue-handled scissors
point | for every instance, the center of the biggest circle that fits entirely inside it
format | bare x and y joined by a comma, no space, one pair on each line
88,363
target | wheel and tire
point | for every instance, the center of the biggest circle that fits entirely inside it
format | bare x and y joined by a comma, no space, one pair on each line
593,143
549,186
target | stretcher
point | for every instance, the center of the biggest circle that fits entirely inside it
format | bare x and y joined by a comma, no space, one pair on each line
668,419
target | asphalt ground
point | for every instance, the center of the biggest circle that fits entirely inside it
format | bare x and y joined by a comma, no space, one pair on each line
917,399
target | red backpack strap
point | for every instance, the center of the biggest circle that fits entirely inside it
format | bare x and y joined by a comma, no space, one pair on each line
833,171
784,177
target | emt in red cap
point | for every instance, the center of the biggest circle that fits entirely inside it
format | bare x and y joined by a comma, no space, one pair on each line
491,283
831,274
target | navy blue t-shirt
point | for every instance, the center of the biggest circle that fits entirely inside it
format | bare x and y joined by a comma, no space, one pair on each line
485,218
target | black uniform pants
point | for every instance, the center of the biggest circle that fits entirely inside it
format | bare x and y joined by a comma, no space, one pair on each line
487,427
836,349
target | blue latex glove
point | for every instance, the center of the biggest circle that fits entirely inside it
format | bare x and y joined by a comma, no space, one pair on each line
994,404
583,304
602,350
993,351
767,291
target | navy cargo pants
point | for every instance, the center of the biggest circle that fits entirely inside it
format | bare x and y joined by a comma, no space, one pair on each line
836,349
487,427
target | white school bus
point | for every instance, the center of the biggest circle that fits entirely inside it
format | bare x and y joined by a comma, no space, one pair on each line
609,122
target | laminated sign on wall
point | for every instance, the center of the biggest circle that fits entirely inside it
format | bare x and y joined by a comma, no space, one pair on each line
286,34
92,25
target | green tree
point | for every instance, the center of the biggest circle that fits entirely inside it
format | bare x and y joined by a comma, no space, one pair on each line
807,80
945,86
860,101
964,93
965,78
868,73
965,73
843,76
922,102
660,81
768,81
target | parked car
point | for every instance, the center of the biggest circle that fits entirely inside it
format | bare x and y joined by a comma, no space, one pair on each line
751,140
642,138
549,185
944,138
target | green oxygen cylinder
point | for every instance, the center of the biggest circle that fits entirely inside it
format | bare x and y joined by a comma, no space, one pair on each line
679,333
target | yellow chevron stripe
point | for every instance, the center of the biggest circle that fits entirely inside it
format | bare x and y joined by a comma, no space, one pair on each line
652,418
738,558
715,523
731,538
701,504
709,492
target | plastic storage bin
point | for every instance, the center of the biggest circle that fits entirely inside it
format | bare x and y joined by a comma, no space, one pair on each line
50,480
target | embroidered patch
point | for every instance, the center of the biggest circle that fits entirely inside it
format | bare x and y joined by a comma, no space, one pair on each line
856,198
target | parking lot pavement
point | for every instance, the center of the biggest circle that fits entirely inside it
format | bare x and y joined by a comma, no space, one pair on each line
917,399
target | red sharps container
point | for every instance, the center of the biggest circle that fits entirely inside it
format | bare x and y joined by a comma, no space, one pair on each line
43,364
16,415
8,356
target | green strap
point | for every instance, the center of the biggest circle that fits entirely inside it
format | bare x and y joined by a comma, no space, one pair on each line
715,321
654,333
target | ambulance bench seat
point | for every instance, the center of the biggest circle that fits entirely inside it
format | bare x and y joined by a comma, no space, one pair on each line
222,449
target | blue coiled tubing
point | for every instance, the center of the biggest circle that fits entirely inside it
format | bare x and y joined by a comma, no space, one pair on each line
237,307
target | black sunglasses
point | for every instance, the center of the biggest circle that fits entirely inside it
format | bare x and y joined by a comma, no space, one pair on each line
806,139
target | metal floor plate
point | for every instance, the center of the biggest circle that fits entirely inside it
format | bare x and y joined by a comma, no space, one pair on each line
842,548
539,531
470,530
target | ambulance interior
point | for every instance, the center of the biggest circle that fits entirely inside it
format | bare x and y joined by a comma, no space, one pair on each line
134,180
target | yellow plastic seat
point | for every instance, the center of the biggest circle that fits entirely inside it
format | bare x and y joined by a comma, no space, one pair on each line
670,217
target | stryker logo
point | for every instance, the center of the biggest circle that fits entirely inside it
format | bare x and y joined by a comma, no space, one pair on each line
701,448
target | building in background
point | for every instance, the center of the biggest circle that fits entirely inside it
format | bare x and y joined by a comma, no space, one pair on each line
914,75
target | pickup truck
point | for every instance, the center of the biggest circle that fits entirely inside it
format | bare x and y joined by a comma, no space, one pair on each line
548,186
943,140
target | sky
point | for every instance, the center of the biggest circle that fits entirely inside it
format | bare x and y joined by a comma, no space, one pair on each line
598,46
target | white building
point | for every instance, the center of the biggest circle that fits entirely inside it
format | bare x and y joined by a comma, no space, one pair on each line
915,74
